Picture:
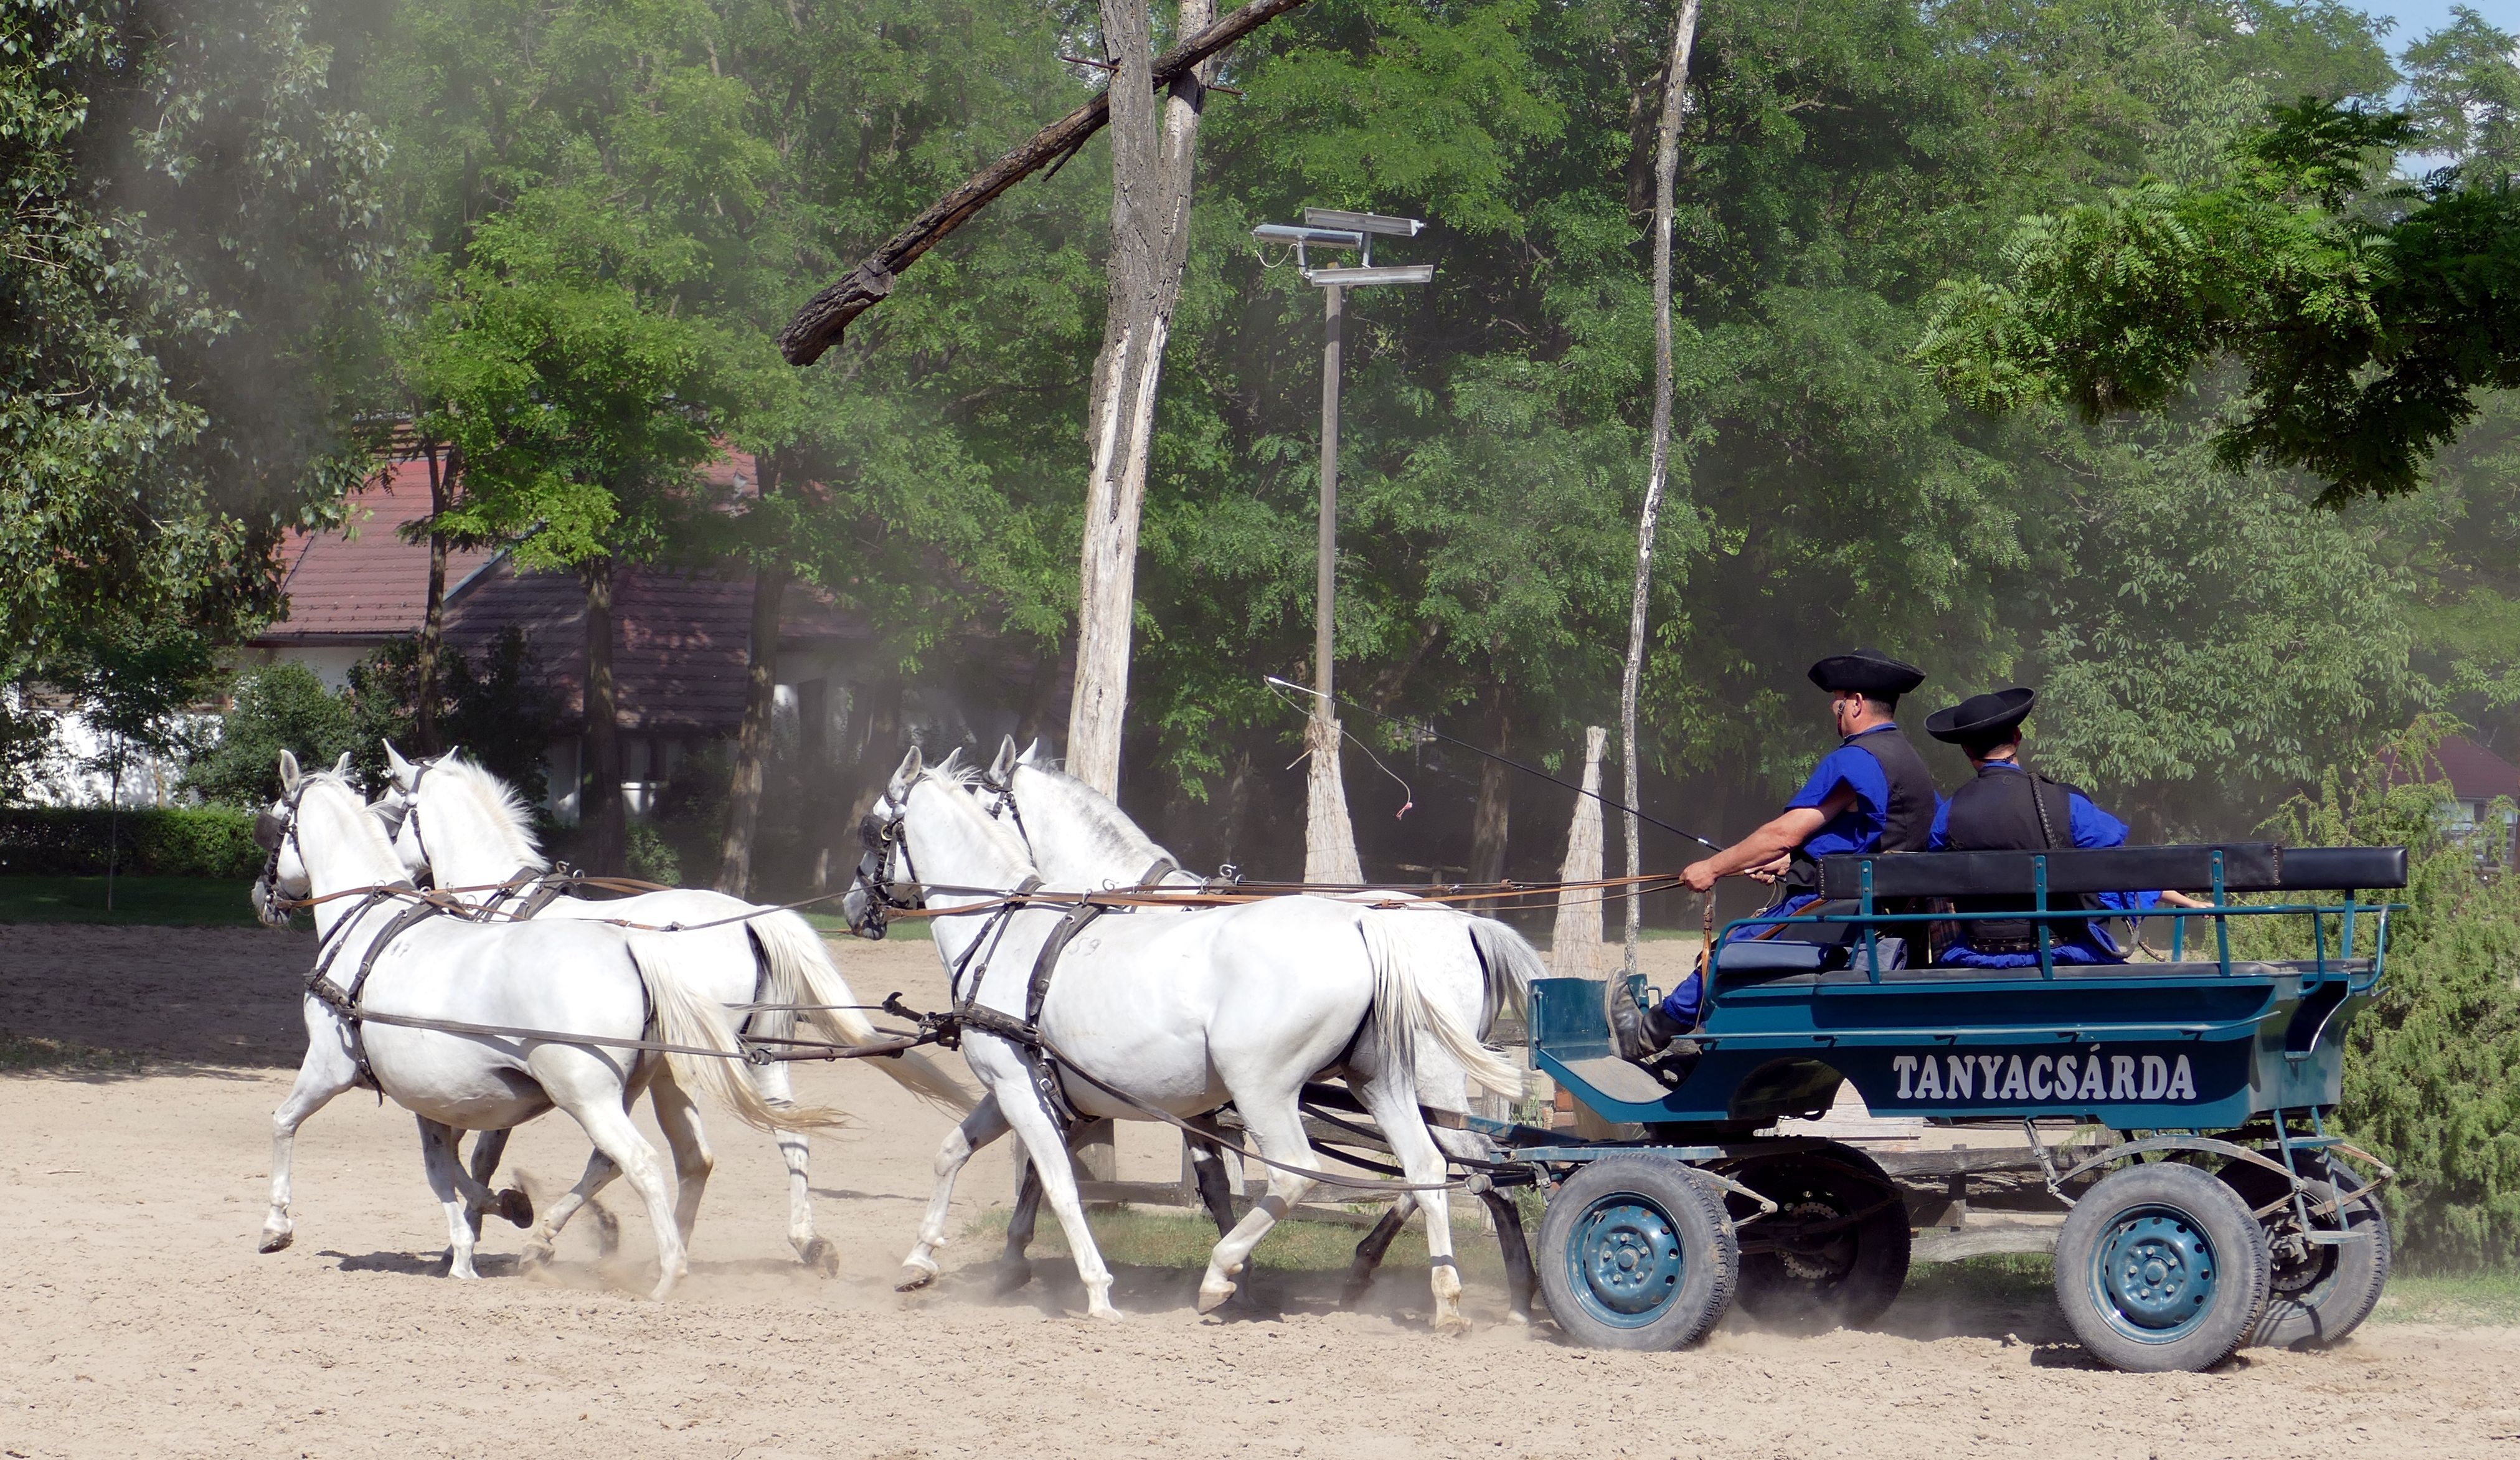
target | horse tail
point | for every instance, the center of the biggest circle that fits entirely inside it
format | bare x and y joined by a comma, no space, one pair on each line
1402,1009
801,972
681,1016
1510,963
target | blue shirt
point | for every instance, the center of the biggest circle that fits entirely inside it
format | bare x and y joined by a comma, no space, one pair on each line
2092,828
1858,827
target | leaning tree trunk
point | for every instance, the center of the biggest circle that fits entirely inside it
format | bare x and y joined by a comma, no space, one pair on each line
427,675
1575,947
1488,819
1674,101
761,706
606,818
1152,160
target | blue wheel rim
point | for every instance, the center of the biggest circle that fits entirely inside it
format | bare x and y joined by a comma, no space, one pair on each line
2154,1274
1624,1261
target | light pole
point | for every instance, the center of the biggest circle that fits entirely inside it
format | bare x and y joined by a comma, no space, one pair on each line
1330,840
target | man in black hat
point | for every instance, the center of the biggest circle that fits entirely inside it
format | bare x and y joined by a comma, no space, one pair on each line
1872,794
2006,808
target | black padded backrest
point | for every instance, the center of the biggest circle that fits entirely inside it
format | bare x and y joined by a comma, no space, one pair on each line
2323,869
2247,867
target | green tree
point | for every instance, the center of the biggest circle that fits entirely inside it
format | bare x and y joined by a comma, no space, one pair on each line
276,707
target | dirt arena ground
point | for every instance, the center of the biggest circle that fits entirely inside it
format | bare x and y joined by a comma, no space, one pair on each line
139,1319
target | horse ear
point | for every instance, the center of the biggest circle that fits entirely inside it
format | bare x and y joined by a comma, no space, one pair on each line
341,768
952,762
1005,765
911,766
289,774
398,767
1036,753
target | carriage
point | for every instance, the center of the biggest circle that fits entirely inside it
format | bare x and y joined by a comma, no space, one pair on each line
2177,1112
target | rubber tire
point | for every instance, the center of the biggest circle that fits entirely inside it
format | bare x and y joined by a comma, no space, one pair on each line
1710,1258
1873,1268
2346,1292
2242,1272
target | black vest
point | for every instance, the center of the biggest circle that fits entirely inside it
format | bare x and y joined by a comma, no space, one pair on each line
2011,810
1908,822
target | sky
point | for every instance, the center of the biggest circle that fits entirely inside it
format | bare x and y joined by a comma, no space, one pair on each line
2418,18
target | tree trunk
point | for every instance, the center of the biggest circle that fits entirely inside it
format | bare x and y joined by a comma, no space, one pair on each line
426,674
604,817
880,748
1330,840
760,702
1152,160
1488,823
1674,102
1575,948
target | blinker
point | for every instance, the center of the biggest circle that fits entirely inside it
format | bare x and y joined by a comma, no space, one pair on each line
268,830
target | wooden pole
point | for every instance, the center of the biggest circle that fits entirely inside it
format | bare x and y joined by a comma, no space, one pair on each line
1329,835
1575,948
1674,103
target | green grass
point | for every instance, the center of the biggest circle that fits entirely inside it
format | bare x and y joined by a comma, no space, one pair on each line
25,1052
177,901
904,930
2008,1278
2481,1299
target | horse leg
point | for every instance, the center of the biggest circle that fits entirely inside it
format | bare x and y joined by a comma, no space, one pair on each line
985,1123
773,1082
1047,1142
326,1072
600,1173
446,1179
512,1205
1207,1165
1277,1128
590,1090
680,1120
1017,1269
1395,1111
1371,1250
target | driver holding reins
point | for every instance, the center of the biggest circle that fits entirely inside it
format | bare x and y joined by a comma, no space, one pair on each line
1872,794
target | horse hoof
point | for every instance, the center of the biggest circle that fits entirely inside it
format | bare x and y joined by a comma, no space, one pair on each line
1452,1326
516,1207
273,1242
1518,1320
914,1276
1212,1298
820,1256
1012,1276
1104,1314
534,1255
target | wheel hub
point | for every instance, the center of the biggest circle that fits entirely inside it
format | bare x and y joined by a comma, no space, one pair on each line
2155,1275
1627,1260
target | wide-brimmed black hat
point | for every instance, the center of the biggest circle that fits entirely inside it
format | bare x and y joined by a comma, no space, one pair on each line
1981,717
1866,671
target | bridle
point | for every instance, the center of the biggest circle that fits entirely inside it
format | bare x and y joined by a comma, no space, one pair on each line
884,840
271,832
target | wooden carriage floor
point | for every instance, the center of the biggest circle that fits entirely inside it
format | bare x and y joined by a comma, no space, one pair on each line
141,1320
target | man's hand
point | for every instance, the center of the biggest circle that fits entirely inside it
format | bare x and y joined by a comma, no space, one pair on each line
1700,875
1769,872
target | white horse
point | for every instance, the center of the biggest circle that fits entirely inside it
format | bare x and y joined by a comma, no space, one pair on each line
592,993
1477,967
471,833
1182,1013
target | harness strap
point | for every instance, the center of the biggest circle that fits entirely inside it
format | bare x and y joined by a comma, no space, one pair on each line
1045,1073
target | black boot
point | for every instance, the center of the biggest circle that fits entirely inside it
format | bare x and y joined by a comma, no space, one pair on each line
1640,1031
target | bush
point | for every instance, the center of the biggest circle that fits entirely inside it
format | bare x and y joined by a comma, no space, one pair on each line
2432,1072
277,707
651,857
176,842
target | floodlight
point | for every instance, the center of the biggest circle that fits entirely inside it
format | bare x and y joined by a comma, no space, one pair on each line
1382,223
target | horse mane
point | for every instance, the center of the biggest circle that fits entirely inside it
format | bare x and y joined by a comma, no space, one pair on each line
362,825
504,808
966,779
1126,839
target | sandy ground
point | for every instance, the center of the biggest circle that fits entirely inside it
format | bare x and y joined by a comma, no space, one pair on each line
139,1319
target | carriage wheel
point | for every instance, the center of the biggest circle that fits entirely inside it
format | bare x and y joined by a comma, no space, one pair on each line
1636,1253
2319,1292
2161,1268
1834,1254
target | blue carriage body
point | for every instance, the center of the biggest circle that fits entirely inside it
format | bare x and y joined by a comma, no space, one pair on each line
2183,1046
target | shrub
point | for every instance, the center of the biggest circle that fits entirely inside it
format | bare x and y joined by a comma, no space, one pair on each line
2432,1072
651,857
277,707
175,842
